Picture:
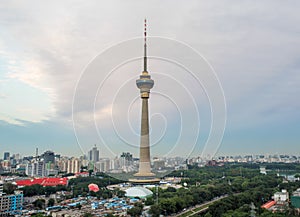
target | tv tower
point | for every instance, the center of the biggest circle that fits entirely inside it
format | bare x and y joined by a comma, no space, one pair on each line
145,83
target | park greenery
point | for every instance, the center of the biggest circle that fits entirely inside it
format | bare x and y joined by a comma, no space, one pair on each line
241,184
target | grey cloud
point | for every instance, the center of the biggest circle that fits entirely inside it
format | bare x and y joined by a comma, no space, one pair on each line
251,44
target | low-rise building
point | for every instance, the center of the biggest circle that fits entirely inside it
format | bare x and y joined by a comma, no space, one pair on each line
42,181
281,197
268,205
11,204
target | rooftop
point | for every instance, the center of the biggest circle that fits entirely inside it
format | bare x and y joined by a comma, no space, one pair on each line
138,192
42,181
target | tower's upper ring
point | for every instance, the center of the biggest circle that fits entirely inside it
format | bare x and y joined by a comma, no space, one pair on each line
145,83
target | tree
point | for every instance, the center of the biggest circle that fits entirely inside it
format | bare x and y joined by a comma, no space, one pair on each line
9,188
49,190
78,206
136,210
51,202
120,193
149,201
33,190
38,215
170,189
208,215
155,210
39,203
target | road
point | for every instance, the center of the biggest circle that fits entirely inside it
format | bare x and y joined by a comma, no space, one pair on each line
204,205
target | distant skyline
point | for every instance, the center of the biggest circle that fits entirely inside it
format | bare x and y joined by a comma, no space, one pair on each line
253,46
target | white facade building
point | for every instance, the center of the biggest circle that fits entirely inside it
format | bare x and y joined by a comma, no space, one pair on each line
74,165
35,169
282,196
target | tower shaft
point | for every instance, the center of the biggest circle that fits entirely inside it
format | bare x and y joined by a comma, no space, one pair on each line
144,165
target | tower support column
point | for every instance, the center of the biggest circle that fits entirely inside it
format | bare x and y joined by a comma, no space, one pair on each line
144,165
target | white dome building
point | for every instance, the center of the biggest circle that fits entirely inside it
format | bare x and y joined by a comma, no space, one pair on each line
139,192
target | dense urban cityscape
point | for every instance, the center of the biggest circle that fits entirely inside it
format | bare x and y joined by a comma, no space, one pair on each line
57,175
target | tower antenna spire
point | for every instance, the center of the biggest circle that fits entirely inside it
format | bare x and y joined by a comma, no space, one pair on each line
145,46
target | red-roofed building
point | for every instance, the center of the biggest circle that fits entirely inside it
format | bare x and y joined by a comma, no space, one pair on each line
42,181
268,205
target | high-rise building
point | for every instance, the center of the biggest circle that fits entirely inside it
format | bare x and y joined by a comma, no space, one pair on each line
6,165
1,169
35,169
74,165
1,188
102,166
62,164
6,156
17,156
93,154
145,83
126,159
48,156
126,162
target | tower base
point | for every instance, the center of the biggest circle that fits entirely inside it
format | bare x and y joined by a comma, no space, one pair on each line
144,180
141,174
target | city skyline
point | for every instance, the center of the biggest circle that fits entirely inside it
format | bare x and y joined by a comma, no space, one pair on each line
253,47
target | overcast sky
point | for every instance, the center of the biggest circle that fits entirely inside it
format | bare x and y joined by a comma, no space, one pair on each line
55,54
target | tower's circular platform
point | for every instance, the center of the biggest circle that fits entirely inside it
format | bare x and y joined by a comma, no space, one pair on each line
144,180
